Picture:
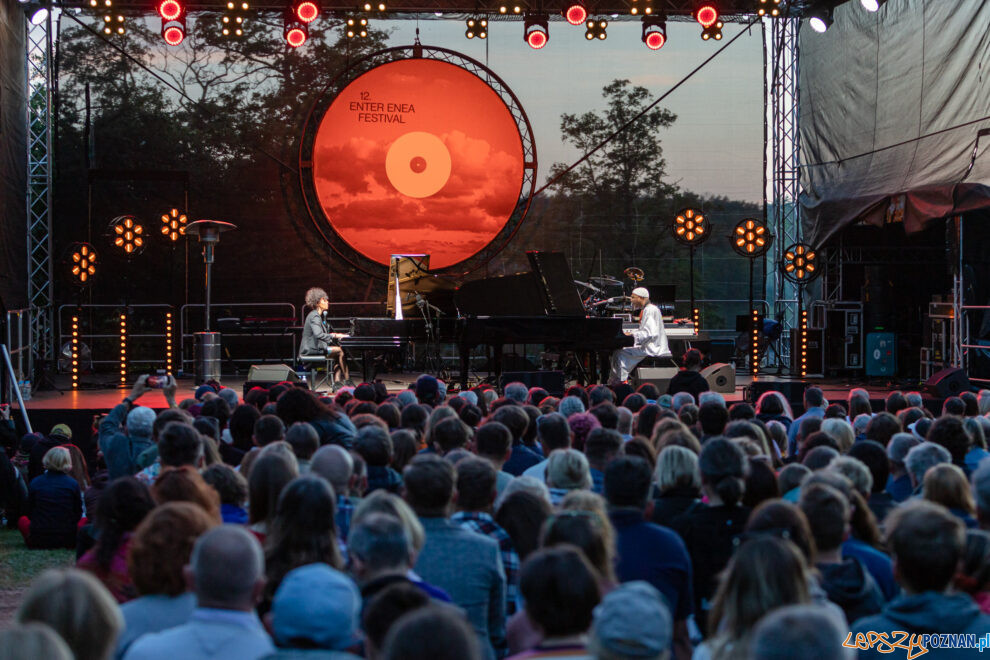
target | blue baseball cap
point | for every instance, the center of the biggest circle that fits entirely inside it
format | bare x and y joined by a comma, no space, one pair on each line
317,604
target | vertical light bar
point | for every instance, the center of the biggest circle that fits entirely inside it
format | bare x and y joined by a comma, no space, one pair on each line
804,343
754,363
168,342
696,319
123,349
75,352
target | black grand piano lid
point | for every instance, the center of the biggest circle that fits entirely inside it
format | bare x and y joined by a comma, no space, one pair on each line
548,290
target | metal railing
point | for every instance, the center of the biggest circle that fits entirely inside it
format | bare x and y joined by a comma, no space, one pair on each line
187,316
135,315
19,340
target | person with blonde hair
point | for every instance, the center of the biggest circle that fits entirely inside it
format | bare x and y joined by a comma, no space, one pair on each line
946,484
567,470
54,504
29,641
76,606
765,573
677,483
841,431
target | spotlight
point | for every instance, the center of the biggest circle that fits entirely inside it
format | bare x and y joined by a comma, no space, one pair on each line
800,263
127,234
691,227
370,6
713,31
872,5
38,15
174,224
768,8
232,23
654,32
113,24
476,27
173,32
596,29
514,8
536,32
305,11
696,319
357,27
751,238
295,34
636,7
170,10
706,13
576,13
820,19
82,263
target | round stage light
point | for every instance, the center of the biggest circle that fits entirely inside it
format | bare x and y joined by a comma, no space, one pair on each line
82,263
170,10
769,8
536,30
295,37
127,234
173,32
820,20
576,14
655,40
871,5
706,14
751,238
799,263
654,32
174,224
691,227
307,11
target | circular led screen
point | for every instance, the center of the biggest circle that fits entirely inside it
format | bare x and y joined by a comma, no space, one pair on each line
418,156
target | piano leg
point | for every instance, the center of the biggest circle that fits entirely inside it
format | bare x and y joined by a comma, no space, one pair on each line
464,356
497,364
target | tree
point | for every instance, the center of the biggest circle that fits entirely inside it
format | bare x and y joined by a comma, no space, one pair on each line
629,167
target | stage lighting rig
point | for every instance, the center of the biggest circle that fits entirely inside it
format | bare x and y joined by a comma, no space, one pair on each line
800,263
751,238
374,6
232,23
645,8
476,27
596,29
82,263
654,32
706,13
510,8
536,31
170,10
713,31
127,234
174,32
356,28
305,11
820,18
576,13
691,227
769,8
174,224
113,24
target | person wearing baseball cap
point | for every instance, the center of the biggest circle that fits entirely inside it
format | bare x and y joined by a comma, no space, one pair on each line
618,631
650,338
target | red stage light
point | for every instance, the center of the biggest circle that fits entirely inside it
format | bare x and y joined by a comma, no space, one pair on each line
706,14
537,39
576,14
295,37
173,32
170,10
655,40
307,11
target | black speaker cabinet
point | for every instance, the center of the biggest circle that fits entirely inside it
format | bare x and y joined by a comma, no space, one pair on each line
266,375
551,381
948,382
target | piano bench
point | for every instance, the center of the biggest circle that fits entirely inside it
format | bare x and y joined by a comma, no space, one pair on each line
327,362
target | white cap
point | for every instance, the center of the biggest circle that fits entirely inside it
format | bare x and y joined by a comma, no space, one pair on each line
641,292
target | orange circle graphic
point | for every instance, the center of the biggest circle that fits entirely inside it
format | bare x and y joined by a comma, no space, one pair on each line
418,156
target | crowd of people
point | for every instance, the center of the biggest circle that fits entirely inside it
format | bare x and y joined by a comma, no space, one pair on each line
608,523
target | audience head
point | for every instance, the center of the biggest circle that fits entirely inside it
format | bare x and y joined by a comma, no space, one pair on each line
949,432
946,484
627,482
568,469
162,545
270,474
78,607
431,633
268,429
926,542
582,424
677,468
828,513
922,457
184,484
140,421
179,444
429,485
784,520
514,418
856,472
32,640
384,609
226,569
450,434
796,631
712,418
874,457
123,505
570,405
303,439
316,606
475,485
601,446
560,590
618,632
723,469
521,513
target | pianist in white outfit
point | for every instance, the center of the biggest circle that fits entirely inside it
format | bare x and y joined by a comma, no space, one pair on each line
651,340
318,338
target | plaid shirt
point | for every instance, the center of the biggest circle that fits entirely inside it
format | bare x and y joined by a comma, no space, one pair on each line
480,522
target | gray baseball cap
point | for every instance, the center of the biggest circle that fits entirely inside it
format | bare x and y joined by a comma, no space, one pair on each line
633,622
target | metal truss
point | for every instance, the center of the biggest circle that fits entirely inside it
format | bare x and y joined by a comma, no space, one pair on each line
781,44
40,63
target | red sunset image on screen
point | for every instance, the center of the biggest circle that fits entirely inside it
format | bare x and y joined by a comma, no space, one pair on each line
418,156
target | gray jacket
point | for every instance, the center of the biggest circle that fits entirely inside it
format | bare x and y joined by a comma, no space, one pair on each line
121,450
468,566
316,337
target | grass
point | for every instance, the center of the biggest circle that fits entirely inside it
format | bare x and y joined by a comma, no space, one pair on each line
18,565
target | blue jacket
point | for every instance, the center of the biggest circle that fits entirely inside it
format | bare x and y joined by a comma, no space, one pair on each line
930,612
468,566
796,427
209,633
121,450
339,431
55,507
521,459
876,562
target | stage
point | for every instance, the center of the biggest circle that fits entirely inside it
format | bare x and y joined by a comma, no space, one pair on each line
77,407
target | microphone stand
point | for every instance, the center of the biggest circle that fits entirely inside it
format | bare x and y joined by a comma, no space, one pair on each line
433,362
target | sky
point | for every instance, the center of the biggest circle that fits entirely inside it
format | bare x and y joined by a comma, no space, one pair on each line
714,148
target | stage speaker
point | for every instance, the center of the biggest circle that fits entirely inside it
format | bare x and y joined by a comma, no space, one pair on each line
551,381
793,390
266,375
948,382
722,350
659,376
721,378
